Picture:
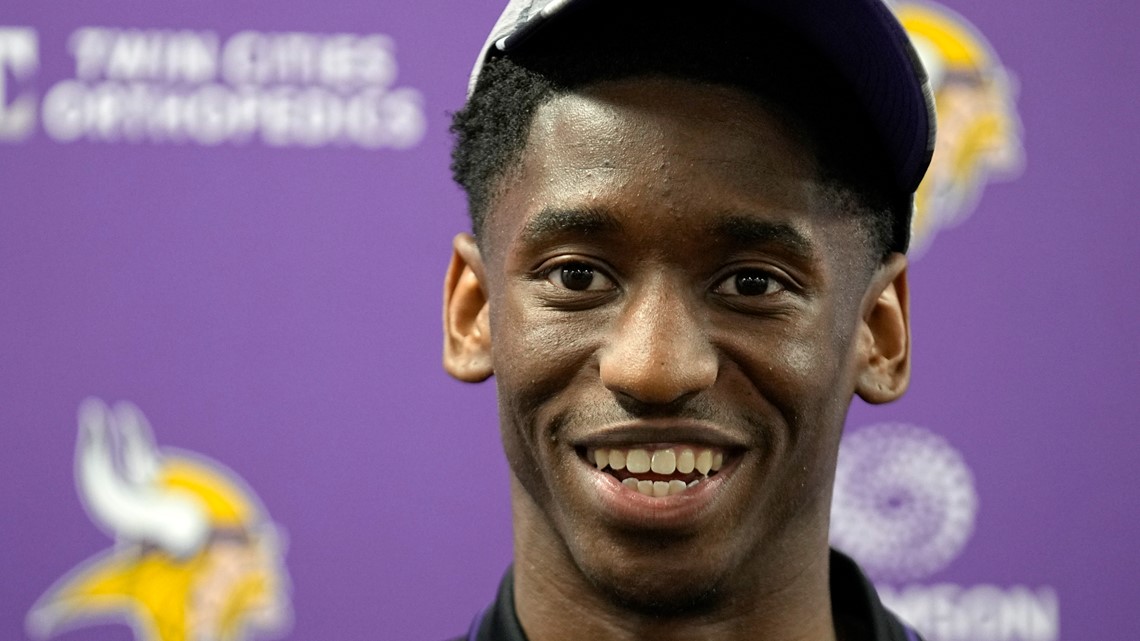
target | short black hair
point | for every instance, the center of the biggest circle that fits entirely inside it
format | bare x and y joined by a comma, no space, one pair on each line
726,48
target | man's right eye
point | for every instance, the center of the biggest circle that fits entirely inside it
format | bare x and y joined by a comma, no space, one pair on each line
579,277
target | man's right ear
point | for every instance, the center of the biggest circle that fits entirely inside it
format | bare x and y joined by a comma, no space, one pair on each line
466,314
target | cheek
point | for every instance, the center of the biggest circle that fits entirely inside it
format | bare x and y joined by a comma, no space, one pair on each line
803,374
534,346
794,366
806,386
542,359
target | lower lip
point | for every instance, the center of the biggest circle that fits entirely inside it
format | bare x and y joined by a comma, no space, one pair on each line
675,511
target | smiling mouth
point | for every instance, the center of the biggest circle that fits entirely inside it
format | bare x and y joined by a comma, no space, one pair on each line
657,472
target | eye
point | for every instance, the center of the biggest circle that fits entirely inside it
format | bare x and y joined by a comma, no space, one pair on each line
750,282
579,277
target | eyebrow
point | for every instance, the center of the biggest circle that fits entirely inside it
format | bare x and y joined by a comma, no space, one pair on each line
735,229
744,231
551,223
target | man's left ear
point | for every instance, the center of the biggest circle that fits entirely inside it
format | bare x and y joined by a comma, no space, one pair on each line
884,334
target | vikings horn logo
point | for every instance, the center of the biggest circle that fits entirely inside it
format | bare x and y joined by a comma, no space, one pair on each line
195,556
979,132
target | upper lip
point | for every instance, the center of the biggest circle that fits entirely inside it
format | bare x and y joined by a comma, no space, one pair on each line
647,432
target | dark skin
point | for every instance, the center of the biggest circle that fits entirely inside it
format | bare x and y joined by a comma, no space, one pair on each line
663,267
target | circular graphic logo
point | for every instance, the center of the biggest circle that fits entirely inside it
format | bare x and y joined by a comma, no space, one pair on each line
904,502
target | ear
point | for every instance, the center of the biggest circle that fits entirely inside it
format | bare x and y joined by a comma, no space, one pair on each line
466,314
884,334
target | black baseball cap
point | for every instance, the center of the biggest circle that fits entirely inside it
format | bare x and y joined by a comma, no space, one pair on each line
861,39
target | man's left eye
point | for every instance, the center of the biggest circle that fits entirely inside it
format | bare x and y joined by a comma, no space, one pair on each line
749,282
579,277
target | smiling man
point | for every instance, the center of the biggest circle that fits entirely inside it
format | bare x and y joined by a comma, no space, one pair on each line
689,226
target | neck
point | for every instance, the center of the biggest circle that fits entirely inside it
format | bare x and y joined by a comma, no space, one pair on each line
780,594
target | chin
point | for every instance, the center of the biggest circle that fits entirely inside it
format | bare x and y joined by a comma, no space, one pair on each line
659,580
660,596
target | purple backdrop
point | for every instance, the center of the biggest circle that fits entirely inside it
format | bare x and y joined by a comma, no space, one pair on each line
267,292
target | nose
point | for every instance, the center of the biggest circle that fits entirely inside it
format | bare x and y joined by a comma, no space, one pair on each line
658,352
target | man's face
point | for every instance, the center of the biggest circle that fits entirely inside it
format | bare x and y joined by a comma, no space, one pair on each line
663,274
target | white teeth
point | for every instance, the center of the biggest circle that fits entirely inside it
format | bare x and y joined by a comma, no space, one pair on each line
637,461
664,462
601,458
704,461
617,459
686,461
658,489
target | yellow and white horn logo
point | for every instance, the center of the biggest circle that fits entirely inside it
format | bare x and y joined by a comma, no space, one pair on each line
979,131
195,556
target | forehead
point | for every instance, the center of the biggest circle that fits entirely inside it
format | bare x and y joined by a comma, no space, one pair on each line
662,156
669,130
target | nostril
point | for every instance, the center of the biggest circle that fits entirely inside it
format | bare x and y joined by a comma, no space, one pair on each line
639,408
658,380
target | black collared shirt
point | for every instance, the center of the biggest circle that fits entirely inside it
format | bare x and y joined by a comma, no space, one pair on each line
854,605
